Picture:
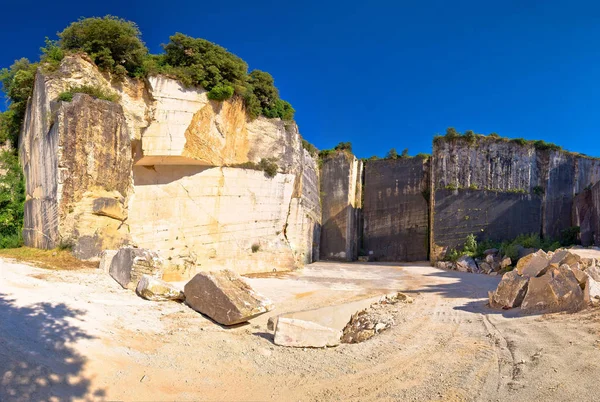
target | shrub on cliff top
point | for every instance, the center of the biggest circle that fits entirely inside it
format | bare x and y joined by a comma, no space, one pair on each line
113,43
96,92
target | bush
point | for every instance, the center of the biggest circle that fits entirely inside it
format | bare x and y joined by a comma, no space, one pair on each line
109,41
96,92
52,55
312,150
12,199
404,154
392,154
17,84
520,141
470,247
423,156
470,137
220,92
570,236
543,145
538,190
451,133
343,146
493,135
269,166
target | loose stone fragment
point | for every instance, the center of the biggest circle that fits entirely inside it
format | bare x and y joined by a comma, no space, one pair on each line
157,290
129,264
510,292
300,334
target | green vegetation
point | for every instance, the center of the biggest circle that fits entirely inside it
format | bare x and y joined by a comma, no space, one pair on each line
95,92
12,198
392,154
114,44
511,248
267,165
312,150
539,190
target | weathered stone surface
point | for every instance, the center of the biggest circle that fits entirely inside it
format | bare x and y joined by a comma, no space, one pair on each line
444,265
466,264
490,251
130,264
563,256
299,333
154,289
225,297
533,265
341,186
510,292
396,218
106,259
77,160
556,290
506,262
111,207
485,267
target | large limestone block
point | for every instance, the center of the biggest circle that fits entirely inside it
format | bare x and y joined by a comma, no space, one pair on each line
561,257
157,290
225,297
556,290
510,292
533,265
106,259
130,264
111,207
299,333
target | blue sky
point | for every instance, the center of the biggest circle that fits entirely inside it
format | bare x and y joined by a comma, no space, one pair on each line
384,74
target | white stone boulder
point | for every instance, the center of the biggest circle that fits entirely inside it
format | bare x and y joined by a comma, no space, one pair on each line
301,334
106,259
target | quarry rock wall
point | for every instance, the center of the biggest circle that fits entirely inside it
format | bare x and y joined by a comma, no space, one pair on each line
395,210
341,195
497,189
586,215
161,168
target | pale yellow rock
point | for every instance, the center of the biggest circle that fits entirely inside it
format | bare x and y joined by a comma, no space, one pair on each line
299,333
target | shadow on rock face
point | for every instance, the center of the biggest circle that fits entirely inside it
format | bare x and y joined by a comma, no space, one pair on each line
36,361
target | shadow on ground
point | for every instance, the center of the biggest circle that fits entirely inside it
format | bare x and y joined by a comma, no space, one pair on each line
36,361
469,286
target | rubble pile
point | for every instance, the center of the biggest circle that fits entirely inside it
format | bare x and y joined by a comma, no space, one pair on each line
549,282
369,322
492,264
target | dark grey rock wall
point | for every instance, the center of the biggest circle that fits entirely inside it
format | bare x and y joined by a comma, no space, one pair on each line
340,201
396,210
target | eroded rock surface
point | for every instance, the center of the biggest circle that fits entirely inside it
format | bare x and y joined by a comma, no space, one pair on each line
510,292
225,297
557,290
130,264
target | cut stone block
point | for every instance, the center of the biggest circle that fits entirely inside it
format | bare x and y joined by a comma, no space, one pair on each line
106,259
299,333
154,289
130,264
556,290
510,292
225,297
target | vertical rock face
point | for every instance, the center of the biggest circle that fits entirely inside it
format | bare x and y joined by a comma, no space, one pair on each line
586,215
159,169
396,209
498,189
341,189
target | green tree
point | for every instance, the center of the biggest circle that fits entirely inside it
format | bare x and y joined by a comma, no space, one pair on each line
392,154
404,153
113,43
204,63
344,146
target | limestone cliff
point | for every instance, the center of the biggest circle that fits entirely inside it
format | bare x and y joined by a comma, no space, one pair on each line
159,169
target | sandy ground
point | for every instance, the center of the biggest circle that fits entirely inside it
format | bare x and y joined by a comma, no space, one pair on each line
76,335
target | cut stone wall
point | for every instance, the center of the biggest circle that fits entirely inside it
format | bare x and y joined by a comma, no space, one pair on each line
160,169
395,210
341,193
586,215
540,186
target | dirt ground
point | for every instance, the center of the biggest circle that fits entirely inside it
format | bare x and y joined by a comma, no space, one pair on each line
76,335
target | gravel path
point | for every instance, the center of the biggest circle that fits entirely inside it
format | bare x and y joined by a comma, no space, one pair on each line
76,335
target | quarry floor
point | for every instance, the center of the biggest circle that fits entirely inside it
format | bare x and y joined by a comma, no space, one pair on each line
76,335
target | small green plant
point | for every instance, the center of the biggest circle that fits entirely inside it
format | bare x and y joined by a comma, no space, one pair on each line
493,135
312,150
470,137
473,186
343,146
220,92
451,186
423,156
470,247
255,247
392,154
96,92
538,190
520,141
451,133
543,145
269,166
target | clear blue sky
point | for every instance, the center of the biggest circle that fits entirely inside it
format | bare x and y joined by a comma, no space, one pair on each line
384,74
